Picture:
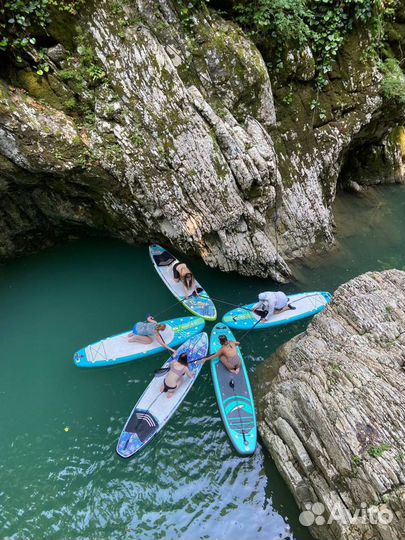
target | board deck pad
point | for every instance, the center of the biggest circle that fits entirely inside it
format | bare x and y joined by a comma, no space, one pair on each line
117,349
154,409
306,304
235,401
163,262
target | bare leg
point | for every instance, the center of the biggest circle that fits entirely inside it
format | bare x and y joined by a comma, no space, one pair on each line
285,308
228,365
140,339
171,393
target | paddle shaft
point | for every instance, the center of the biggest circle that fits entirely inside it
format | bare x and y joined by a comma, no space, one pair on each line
250,329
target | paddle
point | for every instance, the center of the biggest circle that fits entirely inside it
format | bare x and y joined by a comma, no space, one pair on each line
161,371
250,329
232,385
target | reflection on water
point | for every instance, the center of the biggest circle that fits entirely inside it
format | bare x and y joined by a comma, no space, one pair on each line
188,483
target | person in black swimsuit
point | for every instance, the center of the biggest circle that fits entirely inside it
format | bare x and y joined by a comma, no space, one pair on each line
172,381
182,274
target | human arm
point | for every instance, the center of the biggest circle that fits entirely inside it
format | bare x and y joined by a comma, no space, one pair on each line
186,291
189,374
151,319
213,356
161,341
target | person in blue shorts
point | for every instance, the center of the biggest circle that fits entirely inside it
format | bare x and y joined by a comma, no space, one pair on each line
149,331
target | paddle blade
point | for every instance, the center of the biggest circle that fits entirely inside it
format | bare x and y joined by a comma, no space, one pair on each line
161,371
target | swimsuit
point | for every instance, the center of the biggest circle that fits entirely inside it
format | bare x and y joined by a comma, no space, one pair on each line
179,372
176,273
234,361
144,329
167,388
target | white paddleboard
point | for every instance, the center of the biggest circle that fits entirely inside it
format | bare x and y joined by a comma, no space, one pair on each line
154,409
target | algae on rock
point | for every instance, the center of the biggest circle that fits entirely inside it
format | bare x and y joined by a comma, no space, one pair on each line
163,129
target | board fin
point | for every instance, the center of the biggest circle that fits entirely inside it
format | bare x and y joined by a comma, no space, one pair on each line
164,259
143,423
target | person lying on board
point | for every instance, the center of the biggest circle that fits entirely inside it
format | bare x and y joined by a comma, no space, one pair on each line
147,332
228,355
270,303
174,378
182,274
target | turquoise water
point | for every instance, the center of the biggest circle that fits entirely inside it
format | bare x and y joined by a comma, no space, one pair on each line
57,484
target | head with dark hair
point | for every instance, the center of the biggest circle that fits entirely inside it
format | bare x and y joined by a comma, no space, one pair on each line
183,359
188,280
223,339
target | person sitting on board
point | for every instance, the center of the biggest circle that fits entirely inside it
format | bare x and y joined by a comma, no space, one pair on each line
182,274
270,303
178,368
228,354
146,332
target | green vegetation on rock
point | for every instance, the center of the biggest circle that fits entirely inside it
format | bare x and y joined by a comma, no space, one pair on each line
393,83
320,24
21,21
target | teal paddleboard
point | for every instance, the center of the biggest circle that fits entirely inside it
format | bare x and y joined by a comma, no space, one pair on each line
118,350
234,396
306,304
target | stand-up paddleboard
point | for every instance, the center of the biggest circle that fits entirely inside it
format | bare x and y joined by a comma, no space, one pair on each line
202,305
234,396
154,409
306,304
117,349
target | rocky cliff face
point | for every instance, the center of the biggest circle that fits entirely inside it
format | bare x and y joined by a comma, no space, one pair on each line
333,418
152,127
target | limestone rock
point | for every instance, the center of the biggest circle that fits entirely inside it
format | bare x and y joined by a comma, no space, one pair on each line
164,129
333,418
57,53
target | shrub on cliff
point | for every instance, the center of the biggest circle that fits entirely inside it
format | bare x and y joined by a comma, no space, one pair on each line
22,22
279,25
393,83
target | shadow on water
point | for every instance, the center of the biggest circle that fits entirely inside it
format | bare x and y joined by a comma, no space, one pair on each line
57,483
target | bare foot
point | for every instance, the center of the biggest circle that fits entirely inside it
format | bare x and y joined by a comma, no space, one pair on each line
162,388
170,395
